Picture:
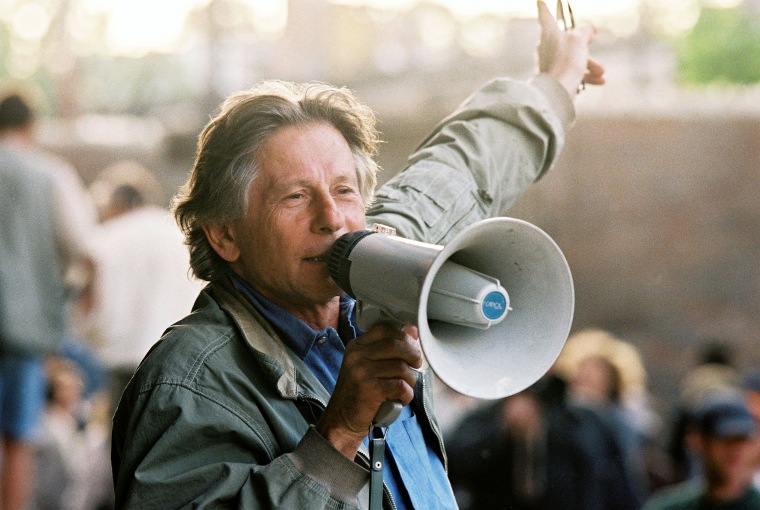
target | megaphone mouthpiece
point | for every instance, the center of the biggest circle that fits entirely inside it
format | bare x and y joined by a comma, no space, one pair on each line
338,262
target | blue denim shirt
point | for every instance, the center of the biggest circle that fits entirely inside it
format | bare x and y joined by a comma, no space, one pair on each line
413,471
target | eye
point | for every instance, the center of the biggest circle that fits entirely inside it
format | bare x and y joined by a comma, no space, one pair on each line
346,190
293,199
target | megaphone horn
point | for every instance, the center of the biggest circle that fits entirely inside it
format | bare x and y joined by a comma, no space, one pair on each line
493,307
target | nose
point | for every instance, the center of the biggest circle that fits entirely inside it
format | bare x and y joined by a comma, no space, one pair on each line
328,217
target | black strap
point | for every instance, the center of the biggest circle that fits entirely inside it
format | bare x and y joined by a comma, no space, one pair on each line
376,461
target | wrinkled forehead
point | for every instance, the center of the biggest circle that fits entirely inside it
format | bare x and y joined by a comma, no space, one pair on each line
314,152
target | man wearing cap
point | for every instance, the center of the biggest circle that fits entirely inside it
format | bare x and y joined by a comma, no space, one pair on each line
726,433
751,386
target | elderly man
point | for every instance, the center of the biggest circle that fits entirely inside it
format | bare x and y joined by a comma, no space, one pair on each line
263,396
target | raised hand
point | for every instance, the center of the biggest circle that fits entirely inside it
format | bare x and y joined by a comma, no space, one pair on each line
565,54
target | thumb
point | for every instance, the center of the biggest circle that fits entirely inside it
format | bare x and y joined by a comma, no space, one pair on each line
545,17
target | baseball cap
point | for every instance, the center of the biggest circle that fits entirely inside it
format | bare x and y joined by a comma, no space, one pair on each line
725,416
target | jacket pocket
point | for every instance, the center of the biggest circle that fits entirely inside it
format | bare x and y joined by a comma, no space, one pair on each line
440,199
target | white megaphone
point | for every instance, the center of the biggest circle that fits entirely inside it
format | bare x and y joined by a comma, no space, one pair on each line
493,307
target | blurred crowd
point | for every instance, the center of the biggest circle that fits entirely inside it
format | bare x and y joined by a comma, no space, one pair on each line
97,272
586,436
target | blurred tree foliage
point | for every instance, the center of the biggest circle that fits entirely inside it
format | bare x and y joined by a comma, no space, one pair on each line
722,48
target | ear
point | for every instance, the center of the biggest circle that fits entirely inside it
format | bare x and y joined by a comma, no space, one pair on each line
222,240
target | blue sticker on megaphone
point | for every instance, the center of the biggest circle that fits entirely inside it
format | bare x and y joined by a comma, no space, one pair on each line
494,305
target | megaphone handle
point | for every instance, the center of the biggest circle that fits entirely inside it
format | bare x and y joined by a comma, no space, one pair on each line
387,414
367,316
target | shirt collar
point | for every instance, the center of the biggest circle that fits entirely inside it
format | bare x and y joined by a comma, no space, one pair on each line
294,332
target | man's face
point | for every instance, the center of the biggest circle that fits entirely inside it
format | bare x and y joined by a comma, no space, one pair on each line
303,198
753,403
729,460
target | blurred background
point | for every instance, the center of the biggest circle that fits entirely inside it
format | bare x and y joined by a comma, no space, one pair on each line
655,200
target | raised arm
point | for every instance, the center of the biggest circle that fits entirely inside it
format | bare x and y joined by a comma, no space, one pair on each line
501,139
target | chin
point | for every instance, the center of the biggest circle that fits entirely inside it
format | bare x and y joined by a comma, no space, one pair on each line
331,288
324,293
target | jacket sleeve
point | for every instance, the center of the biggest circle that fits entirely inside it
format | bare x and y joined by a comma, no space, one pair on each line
168,454
478,160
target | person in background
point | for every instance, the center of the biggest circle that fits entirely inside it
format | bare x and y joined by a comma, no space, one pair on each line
606,376
43,232
142,282
725,439
715,370
264,395
72,451
75,213
524,453
537,450
751,387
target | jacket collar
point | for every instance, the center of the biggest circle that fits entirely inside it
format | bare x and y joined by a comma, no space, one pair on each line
292,376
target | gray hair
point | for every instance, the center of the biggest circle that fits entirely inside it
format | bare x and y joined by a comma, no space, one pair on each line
225,163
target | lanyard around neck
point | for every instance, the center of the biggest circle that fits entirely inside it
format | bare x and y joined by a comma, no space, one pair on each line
377,461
